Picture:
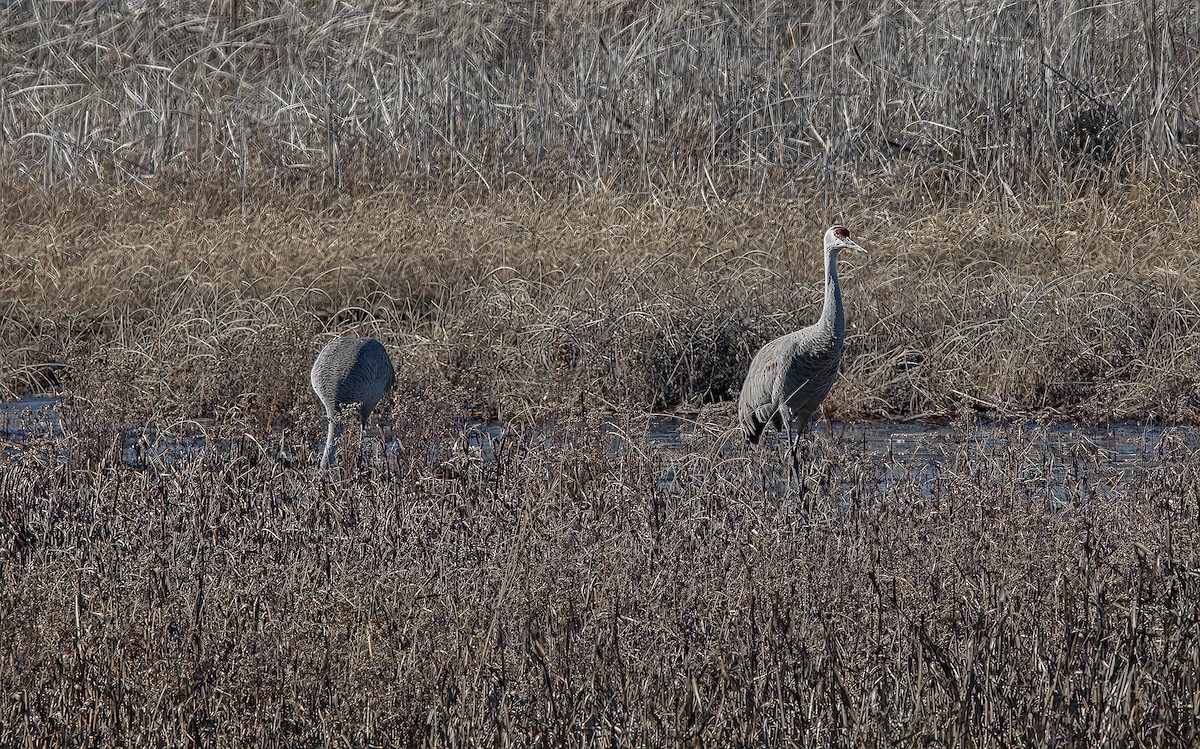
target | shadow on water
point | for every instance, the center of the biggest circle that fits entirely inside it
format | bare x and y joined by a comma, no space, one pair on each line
900,454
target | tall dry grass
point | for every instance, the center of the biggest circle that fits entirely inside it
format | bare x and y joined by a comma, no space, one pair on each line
607,203
940,100
569,591
148,149
551,210
525,306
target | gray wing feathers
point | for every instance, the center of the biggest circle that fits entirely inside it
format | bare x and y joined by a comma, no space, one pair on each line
352,370
788,378
756,404
809,375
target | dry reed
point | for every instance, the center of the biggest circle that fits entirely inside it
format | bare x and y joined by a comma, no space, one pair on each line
560,590
554,210
517,305
934,99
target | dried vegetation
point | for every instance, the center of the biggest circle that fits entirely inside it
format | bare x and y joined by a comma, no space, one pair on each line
557,590
524,308
612,203
549,211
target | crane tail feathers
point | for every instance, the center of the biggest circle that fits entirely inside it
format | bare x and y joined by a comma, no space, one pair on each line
753,430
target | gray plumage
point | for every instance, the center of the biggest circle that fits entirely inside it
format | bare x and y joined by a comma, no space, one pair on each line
790,376
350,370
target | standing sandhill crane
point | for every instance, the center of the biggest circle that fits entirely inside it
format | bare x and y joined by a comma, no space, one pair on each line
350,370
791,375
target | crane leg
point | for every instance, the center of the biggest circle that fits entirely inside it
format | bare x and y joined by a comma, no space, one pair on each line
333,431
793,438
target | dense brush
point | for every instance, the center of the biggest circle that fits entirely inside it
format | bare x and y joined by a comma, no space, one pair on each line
941,100
571,588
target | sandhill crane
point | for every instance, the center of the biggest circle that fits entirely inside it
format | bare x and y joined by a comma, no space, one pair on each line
791,375
350,370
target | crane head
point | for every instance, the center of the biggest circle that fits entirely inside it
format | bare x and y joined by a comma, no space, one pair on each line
838,238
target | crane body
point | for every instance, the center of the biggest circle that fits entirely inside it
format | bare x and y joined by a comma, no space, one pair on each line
350,371
790,376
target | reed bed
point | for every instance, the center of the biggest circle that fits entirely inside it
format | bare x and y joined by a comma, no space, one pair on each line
563,213
582,586
953,99
536,205
525,307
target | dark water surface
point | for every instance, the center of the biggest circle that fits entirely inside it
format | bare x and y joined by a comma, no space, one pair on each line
1050,456
900,450
36,414
1120,441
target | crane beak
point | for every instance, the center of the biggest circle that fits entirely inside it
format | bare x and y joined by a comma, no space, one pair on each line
852,245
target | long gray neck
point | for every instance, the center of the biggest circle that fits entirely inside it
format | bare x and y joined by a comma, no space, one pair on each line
833,318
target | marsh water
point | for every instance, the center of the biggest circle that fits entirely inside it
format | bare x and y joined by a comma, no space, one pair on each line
18,417
1116,452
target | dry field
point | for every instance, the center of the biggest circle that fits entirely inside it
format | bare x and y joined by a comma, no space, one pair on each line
601,204
561,213
523,308
564,592
942,101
